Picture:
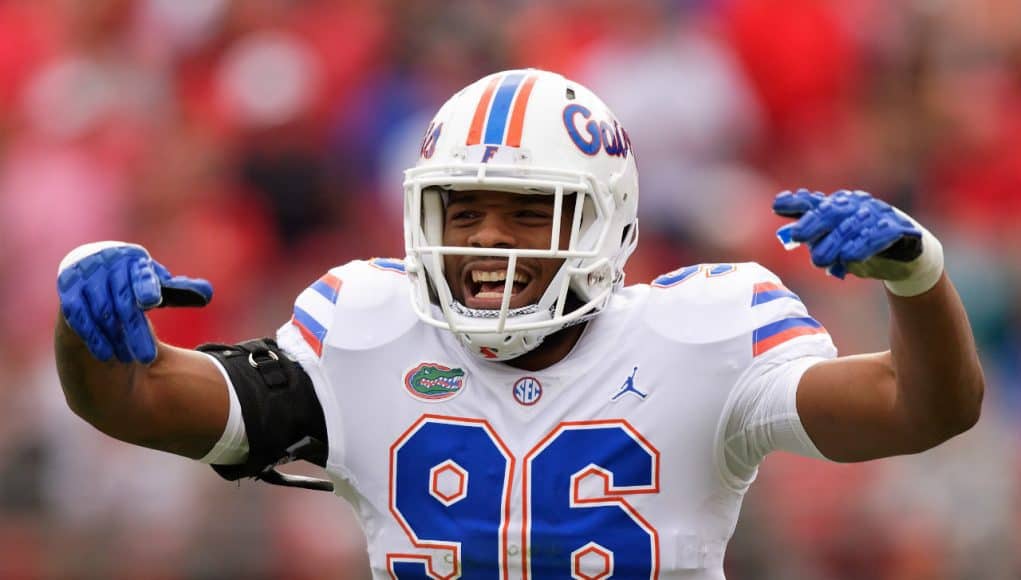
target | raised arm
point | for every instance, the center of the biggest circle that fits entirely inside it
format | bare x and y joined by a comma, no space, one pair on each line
924,390
115,375
928,387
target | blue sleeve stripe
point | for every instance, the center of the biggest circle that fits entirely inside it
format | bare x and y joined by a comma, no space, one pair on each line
327,291
768,291
774,328
313,326
770,295
773,335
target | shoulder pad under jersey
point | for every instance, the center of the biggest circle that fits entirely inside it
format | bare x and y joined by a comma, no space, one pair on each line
713,302
360,305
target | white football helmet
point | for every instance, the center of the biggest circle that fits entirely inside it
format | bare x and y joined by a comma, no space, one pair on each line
528,132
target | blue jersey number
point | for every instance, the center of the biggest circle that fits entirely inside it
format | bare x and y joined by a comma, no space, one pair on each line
449,490
450,480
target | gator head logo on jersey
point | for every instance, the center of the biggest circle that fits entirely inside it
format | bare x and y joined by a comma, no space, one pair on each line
434,382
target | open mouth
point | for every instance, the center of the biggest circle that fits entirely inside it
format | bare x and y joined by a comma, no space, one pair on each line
485,285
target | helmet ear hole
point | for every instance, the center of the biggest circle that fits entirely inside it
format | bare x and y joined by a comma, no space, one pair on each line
627,236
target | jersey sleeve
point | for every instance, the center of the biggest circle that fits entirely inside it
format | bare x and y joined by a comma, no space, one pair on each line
350,309
303,338
358,306
313,315
761,414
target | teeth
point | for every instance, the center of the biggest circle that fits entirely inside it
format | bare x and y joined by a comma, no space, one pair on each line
498,276
480,276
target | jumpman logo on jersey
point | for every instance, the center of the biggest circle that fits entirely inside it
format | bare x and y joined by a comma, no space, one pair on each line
629,387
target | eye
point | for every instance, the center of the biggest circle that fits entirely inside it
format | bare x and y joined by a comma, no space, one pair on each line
532,215
463,215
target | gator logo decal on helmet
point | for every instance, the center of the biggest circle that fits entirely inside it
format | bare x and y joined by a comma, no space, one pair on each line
434,382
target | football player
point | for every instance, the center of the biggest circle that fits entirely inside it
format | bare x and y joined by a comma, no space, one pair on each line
499,404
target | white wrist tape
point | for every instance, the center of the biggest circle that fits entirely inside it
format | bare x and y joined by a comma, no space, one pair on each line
85,250
232,448
926,269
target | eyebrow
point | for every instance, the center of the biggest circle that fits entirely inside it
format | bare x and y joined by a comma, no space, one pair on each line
461,199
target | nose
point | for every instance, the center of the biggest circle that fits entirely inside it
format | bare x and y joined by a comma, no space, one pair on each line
493,231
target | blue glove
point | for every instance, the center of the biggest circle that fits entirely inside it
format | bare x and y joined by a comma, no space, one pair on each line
105,288
850,231
847,227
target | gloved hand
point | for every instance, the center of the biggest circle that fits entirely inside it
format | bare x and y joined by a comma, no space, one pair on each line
851,231
104,289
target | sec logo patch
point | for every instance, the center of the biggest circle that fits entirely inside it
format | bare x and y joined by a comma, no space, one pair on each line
527,391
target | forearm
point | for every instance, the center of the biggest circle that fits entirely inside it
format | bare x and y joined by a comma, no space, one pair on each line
146,392
939,377
93,388
928,387
178,403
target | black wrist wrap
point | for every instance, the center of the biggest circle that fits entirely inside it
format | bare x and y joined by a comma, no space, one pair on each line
283,418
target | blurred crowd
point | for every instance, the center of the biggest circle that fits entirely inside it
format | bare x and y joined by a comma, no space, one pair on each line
257,143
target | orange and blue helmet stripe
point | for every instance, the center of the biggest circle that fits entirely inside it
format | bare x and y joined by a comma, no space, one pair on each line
499,117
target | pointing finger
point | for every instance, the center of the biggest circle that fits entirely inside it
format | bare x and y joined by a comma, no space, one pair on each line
795,204
145,284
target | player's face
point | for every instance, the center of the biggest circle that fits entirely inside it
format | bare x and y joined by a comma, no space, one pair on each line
489,219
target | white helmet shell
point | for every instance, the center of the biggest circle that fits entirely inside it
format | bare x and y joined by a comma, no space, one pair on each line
528,132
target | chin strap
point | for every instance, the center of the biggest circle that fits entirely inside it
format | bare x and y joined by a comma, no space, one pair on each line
487,314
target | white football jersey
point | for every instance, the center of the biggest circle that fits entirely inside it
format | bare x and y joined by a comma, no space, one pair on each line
629,458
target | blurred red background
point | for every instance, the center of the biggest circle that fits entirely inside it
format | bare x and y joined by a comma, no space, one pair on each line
257,143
